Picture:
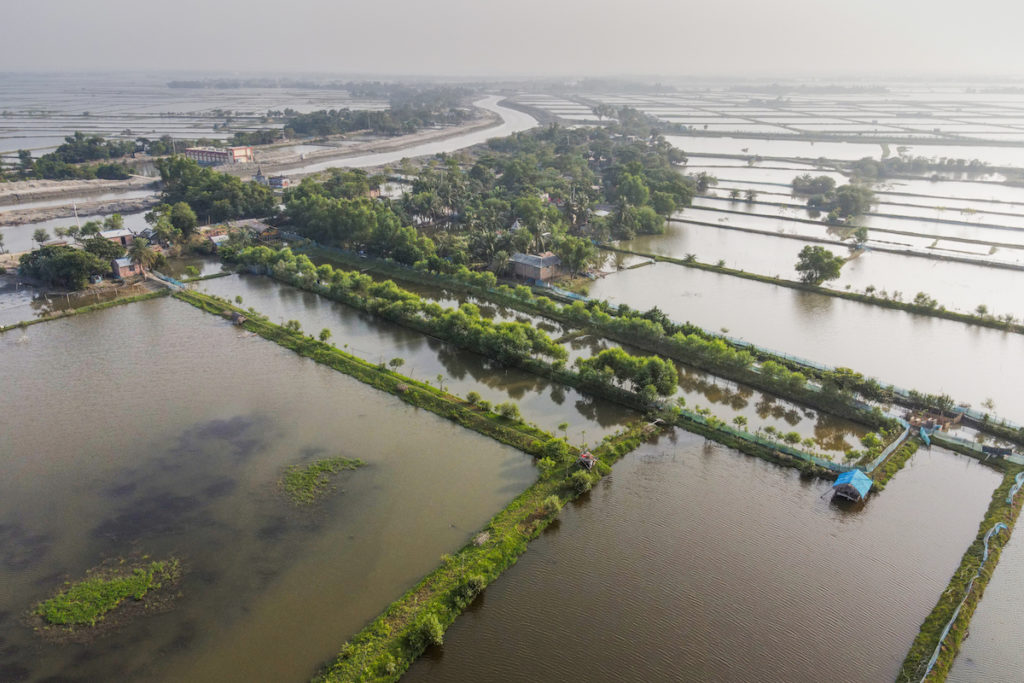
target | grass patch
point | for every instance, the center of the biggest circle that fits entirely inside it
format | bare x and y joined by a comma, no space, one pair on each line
893,464
305,484
86,602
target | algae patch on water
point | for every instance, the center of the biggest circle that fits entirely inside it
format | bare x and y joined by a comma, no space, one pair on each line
87,602
305,484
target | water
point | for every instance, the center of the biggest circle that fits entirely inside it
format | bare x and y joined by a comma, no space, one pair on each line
170,441
992,651
513,121
957,286
19,237
692,562
377,340
916,352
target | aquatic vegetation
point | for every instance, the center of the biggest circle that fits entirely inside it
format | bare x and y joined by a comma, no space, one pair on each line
86,602
305,484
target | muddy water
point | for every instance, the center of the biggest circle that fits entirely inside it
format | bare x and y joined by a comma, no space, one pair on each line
992,652
376,340
957,286
915,352
157,429
692,562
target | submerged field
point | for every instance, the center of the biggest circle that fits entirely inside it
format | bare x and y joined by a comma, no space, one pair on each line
170,442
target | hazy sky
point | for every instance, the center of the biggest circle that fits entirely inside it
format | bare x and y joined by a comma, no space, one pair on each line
771,38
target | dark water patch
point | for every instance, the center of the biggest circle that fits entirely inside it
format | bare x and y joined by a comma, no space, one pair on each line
234,436
13,672
121,490
273,530
220,487
160,513
21,549
184,638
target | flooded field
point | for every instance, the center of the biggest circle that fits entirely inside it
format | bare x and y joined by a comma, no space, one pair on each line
915,352
170,442
376,340
991,651
692,562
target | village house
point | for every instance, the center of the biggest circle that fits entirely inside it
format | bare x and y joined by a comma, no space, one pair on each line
122,236
542,267
279,182
123,268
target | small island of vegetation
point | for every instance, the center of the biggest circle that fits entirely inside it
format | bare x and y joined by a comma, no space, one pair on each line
306,484
87,602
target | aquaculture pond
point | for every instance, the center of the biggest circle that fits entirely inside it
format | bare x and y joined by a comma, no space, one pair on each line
154,429
968,362
694,562
992,651
955,285
424,358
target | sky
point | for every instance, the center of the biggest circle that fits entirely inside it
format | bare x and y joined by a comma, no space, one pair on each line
498,38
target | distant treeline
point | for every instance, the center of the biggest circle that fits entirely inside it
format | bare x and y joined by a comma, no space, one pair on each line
782,89
63,163
869,167
410,110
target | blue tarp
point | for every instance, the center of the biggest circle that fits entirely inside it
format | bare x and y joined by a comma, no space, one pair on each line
855,478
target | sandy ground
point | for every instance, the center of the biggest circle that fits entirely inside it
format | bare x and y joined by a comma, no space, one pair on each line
271,161
96,208
38,190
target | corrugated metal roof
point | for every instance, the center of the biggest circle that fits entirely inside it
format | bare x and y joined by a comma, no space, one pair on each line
544,260
123,262
122,232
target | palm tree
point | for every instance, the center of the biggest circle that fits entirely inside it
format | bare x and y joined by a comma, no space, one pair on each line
142,254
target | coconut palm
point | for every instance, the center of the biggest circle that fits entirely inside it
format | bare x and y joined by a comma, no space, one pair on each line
142,254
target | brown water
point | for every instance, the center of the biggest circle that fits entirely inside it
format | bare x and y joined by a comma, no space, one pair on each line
992,651
693,562
157,429
915,352
540,401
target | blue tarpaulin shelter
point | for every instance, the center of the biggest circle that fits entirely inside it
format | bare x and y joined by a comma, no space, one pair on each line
853,485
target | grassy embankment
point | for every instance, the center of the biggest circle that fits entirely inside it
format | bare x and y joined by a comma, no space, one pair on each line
85,309
306,484
391,643
86,602
388,645
928,638
888,468
909,307
513,433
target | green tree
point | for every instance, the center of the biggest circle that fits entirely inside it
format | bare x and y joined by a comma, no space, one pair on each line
817,265
325,334
184,219
39,235
576,253
142,254
103,249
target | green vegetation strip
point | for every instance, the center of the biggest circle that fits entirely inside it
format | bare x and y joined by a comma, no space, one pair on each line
893,464
388,646
305,484
908,306
85,602
479,419
927,640
85,309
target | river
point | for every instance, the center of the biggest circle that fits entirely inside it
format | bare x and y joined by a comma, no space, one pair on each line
513,121
693,562
170,441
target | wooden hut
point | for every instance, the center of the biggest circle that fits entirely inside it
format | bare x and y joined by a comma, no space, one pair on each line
852,485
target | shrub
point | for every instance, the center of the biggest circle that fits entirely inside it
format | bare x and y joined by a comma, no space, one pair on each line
508,410
580,481
546,466
426,632
551,505
472,398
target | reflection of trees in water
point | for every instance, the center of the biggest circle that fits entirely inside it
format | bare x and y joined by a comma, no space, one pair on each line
558,394
768,407
727,393
831,433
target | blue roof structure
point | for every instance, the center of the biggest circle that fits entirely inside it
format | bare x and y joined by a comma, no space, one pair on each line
853,484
